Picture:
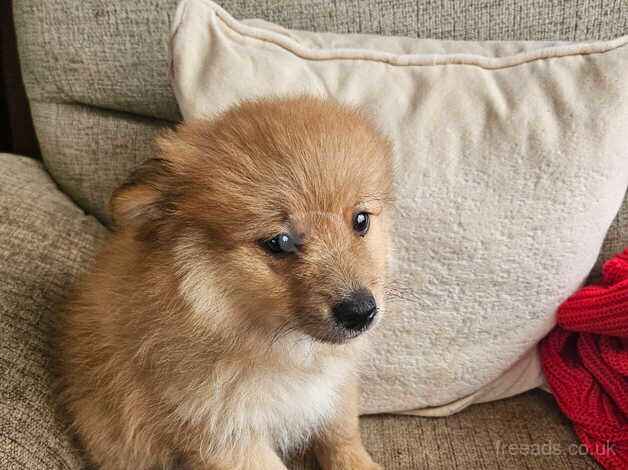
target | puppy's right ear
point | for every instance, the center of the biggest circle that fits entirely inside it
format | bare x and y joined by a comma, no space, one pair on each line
141,199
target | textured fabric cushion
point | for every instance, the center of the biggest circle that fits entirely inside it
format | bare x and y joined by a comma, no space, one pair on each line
113,56
99,147
523,432
96,71
512,161
45,240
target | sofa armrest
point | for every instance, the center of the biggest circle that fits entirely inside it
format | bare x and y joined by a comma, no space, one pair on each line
45,241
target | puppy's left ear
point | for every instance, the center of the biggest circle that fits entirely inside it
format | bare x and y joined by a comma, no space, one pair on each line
141,199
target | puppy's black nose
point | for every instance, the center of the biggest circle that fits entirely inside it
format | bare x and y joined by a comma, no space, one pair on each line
355,311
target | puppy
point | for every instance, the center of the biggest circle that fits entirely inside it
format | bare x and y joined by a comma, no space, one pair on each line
221,324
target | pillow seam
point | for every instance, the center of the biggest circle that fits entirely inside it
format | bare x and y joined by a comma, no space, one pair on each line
404,60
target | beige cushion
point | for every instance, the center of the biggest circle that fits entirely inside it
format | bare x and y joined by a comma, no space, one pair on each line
92,151
94,65
99,95
512,161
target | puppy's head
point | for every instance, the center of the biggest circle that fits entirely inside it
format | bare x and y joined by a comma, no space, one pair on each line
277,208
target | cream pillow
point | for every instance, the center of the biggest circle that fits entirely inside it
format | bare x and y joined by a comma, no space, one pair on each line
512,160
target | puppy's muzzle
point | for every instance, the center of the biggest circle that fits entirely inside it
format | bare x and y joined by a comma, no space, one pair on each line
355,311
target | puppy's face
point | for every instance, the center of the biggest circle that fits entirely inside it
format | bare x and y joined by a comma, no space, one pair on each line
286,200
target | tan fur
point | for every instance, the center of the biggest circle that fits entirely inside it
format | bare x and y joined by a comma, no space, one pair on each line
187,342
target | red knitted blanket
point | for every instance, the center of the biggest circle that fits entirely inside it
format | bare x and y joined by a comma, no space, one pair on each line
585,360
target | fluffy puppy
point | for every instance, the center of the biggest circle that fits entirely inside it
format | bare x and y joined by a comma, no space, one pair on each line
220,326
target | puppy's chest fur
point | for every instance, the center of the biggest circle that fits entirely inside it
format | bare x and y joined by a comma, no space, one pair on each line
282,404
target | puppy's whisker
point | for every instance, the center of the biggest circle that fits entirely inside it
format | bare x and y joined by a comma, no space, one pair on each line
284,329
395,294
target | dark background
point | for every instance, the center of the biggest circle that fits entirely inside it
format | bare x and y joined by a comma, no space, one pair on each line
16,128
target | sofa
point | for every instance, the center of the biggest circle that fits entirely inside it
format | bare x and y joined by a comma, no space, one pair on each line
96,77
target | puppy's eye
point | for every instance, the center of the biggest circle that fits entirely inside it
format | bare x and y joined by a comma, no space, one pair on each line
361,223
281,244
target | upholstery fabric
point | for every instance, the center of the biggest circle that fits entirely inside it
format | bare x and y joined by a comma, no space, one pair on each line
100,148
496,157
616,238
45,240
83,51
476,438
